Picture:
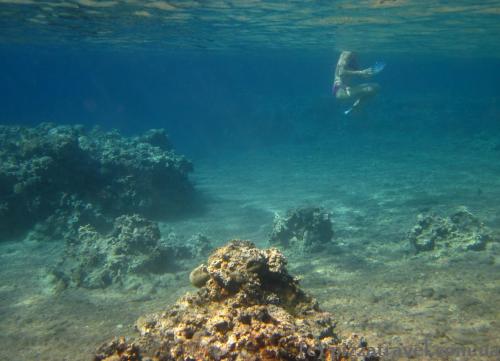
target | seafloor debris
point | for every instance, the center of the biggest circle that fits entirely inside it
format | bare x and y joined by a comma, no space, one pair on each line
68,176
306,229
247,308
462,231
134,248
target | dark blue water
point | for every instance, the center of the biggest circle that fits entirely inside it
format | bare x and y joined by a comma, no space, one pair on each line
211,99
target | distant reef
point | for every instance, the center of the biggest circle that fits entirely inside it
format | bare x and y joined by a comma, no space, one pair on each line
445,236
129,256
303,230
248,307
56,178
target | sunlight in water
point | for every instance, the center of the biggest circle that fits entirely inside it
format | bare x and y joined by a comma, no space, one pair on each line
464,27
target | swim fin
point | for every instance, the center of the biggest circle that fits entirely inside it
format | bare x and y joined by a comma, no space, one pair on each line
348,111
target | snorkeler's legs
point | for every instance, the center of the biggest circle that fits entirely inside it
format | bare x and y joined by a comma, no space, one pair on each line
363,90
342,93
357,91
361,93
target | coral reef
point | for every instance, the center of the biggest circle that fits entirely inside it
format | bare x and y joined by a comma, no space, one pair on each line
247,308
197,246
67,175
132,249
305,229
64,223
461,231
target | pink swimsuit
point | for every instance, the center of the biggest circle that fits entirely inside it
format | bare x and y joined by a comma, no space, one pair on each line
335,87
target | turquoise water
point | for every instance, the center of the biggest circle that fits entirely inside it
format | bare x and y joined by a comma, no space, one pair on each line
243,90
398,26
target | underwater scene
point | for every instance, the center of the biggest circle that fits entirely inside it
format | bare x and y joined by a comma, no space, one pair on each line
249,180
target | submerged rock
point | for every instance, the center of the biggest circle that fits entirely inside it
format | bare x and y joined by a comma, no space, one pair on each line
248,308
461,231
68,218
199,276
133,248
48,173
305,229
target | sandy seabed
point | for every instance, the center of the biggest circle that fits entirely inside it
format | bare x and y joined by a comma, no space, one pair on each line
369,280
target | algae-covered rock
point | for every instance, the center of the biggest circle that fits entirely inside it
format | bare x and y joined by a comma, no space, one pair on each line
461,231
199,276
133,248
248,308
305,229
68,218
49,171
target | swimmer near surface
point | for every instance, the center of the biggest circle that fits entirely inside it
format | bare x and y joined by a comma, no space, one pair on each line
346,70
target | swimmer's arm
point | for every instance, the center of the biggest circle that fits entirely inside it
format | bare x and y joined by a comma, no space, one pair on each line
365,72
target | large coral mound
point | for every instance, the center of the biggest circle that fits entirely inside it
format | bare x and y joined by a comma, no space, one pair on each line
461,231
67,176
305,229
248,308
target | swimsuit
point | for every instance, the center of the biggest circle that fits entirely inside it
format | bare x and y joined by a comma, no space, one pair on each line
339,86
335,87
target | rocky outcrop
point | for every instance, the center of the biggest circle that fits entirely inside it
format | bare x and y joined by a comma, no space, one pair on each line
306,229
461,231
132,250
67,176
247,308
